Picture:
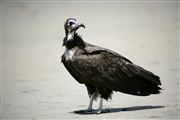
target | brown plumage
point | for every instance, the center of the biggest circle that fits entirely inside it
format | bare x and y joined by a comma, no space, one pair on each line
104,71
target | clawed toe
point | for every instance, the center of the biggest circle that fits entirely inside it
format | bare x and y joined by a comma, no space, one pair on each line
102,111
99,111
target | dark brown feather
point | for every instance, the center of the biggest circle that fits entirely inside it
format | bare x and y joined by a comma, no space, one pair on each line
108,71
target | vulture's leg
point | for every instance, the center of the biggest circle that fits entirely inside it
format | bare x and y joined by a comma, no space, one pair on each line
100,105
91,102
89,110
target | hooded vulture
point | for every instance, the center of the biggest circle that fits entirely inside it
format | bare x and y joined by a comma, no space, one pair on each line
102,70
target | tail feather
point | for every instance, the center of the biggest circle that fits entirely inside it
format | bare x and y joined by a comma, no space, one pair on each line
148,87
140,86
149,76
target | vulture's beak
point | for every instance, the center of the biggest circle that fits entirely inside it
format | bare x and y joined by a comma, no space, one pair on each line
81,25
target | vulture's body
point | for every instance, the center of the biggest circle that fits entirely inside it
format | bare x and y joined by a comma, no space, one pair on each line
104,71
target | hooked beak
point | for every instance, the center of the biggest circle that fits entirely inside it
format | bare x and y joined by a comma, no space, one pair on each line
82,25
79,25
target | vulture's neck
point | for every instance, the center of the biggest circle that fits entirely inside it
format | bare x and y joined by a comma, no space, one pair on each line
76,41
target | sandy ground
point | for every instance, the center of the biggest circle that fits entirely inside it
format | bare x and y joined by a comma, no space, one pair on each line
35,84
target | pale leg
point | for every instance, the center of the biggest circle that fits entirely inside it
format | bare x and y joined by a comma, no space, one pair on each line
91,102
100,105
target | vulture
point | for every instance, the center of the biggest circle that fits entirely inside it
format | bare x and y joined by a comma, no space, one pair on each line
103,71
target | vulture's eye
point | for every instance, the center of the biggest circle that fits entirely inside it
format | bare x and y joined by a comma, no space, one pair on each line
70,23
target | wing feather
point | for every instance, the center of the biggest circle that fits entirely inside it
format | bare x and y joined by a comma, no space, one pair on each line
102,67
71,70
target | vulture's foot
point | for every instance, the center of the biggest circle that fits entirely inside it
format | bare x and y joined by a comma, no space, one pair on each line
98,111
92,111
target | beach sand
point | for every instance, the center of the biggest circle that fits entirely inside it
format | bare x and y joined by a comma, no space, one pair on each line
36,85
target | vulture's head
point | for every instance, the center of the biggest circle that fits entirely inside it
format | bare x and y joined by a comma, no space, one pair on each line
70,26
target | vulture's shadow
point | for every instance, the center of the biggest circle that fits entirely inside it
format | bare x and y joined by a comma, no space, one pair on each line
113,110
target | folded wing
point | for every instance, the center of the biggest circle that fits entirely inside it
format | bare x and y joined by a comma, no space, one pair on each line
104,68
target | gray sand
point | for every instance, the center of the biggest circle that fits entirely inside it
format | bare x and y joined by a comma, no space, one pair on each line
35,84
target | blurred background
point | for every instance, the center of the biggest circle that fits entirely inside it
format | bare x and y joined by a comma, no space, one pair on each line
35,84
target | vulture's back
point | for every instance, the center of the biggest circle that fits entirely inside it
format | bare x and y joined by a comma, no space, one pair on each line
104,68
